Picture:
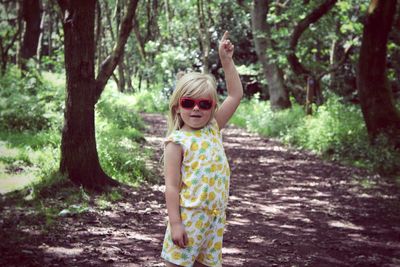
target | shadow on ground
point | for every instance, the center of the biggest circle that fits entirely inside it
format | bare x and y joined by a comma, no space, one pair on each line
287,208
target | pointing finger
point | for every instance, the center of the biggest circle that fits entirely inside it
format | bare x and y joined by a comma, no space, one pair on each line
225,36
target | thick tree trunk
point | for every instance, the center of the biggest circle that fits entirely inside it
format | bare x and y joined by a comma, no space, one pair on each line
377,104
32,16
279,97
79,158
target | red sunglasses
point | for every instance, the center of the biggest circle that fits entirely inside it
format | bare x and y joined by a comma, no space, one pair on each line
202,103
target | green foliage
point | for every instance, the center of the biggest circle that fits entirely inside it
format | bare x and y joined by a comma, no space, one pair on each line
151,101
336,130
32,145
29,102
256,115
118,134
118,110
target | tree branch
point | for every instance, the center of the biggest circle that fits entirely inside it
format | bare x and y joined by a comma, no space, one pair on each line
313,17
334,67
109,64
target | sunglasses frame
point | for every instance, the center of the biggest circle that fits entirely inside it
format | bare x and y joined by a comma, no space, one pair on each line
196,102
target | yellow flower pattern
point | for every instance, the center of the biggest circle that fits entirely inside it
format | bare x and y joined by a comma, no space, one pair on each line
203,197
205,234
205,168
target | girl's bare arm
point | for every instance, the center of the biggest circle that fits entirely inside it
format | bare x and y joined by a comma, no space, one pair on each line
172,172
233,83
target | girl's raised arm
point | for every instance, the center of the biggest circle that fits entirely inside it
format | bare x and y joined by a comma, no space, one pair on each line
233,83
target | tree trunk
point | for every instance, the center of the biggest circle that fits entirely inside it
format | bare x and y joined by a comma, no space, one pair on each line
4,46
109,64
32,16
377,104
79,158
204,34
170,35
121,75
120,68
279,97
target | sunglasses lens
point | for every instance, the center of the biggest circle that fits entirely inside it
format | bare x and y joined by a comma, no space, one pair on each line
187,103
205,104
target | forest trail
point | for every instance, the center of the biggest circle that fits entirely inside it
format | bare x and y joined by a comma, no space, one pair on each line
287,208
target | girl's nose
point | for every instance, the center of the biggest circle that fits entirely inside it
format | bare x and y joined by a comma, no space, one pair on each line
196,107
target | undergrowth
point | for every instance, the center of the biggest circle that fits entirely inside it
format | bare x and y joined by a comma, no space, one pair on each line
31,121
335,130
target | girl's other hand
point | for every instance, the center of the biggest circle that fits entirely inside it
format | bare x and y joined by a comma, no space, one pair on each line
225,48
179,235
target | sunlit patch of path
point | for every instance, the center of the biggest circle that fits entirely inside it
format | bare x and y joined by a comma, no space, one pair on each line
290,208
286,208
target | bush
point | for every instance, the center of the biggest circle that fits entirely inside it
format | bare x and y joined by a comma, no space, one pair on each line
150,101
29,102
30,124
335,129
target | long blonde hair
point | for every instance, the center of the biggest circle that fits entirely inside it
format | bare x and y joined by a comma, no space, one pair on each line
192,84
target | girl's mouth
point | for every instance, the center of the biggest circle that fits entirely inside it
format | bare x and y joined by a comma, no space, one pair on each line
195,116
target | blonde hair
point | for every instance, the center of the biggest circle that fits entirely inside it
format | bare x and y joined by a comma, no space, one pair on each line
193,85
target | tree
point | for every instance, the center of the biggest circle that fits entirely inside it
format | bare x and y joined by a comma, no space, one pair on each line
377,104
279,97
10,12
79,158
31,14
204,33
312,80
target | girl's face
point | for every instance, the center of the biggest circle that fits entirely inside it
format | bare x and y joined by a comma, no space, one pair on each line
195,112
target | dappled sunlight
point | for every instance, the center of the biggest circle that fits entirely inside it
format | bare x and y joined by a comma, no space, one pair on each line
11,182
286,208
239,221
345,225
311,207
62,251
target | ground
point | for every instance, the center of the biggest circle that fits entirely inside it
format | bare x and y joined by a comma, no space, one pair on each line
287,208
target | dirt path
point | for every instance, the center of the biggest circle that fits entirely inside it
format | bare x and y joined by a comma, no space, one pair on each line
287,208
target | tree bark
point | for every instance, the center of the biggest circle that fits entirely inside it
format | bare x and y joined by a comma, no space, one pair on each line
79,158
377,104
279,97
31,13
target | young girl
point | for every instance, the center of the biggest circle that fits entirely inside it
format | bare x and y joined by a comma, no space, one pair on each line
196,169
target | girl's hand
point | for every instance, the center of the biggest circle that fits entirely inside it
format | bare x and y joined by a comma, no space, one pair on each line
225,48
179,235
